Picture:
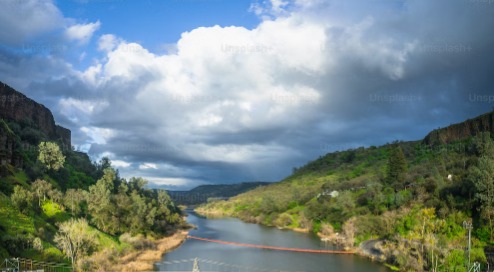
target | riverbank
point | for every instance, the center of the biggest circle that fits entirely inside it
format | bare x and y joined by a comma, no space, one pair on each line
141,257
144,261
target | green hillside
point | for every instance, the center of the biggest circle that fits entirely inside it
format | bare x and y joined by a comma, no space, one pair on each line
411,196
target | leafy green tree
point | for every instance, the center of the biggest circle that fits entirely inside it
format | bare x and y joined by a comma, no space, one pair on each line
483,144
99,204
138,184
22,199
140,217
75,239
482,177
50,155
123,209
167,213
397,166
104,163
375,198
345,203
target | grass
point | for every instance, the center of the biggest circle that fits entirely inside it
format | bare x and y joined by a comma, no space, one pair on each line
13,221
107,241
51,252
54,211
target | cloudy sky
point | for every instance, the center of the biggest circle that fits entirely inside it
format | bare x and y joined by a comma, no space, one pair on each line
188,92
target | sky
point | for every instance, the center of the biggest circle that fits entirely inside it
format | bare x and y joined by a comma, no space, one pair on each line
190,92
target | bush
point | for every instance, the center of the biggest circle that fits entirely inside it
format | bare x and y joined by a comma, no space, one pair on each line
138,242
483,234
326,229
455,261
284,220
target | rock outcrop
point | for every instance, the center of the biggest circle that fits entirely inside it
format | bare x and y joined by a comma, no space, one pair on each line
461,131
7,142
18,107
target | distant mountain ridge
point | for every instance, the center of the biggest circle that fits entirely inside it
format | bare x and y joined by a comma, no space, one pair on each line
461,131
200,194
18,107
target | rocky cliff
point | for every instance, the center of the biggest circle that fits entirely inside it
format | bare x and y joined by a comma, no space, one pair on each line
460,131
18,107
7,142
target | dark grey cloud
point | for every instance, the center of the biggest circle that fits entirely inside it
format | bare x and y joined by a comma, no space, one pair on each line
232,104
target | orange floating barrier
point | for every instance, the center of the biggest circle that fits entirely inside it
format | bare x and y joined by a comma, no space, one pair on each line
320,251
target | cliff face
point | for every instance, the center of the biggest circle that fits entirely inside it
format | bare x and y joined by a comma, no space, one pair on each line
18,107
472,127
7,142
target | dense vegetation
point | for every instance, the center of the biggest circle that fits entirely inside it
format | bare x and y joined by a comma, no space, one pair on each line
56,205
410,196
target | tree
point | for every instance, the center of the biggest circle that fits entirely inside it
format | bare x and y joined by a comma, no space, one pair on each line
73,200
141,217
104,163
167,212
41,189
482,176
75,239
22,199
397,166
345,203
51,156
99,204
38,244
374,198
483,144
138,183
56,196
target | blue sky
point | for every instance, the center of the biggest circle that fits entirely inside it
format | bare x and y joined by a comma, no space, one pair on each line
156,24
189,92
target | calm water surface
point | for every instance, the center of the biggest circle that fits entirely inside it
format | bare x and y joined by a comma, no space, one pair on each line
218,257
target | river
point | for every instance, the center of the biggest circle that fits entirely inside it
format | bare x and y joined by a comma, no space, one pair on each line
219,257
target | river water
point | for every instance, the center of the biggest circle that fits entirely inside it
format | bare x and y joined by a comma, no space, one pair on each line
219,257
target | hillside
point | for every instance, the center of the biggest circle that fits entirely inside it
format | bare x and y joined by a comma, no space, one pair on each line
202,193
410,197
57,205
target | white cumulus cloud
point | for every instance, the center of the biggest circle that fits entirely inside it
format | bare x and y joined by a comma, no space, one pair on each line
82,33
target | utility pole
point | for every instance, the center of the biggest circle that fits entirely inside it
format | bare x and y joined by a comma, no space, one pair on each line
468,226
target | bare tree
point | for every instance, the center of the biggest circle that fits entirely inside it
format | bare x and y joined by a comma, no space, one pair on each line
75,239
